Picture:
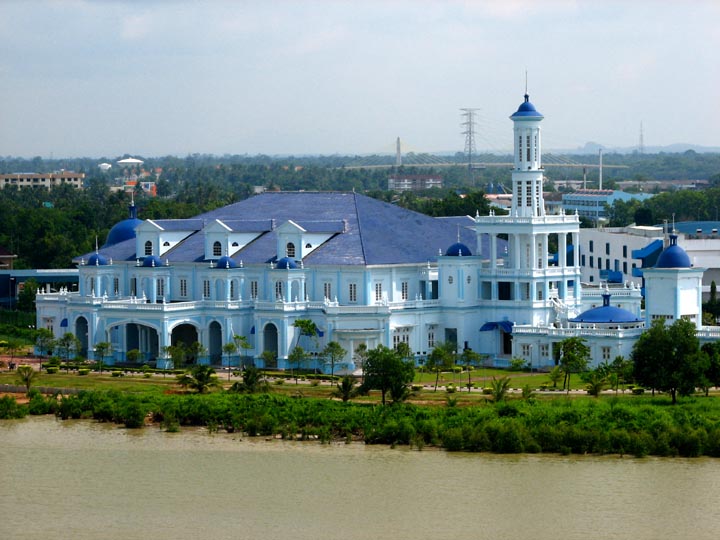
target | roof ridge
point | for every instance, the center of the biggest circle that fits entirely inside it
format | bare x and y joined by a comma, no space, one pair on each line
360,233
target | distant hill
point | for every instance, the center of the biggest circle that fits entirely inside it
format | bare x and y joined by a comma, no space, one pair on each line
677,148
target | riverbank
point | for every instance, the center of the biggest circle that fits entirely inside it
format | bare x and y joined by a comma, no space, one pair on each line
636,425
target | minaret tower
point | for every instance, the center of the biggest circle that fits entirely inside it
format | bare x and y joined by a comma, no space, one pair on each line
527,175
522,281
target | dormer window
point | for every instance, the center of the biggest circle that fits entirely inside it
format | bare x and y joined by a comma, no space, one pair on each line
148,248
217,249
290,250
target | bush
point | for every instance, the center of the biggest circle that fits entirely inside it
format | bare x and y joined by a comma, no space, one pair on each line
51,370
279,382
84,371
638,390
117,374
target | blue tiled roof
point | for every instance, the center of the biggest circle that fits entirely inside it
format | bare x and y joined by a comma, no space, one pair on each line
362,230
527,110
152,261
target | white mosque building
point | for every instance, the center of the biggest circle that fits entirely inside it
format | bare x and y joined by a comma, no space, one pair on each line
365,272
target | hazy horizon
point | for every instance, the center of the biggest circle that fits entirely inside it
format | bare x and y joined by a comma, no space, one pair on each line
155,78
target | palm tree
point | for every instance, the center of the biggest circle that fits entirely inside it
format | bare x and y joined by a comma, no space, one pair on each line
500,388
253,381
199,378
346,389
25,375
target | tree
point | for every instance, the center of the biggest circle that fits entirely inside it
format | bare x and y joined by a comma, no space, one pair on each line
25,375
177,354
199,378
67,344
470,359
669,359
297,358
229,349
44,341
132,356
269,358
441,359
102,349
386,370
242,343
195,351
712,373
26,297
574,357
333,352
555,375
361,354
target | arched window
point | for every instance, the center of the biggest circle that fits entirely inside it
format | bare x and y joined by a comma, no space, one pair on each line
217,249
278,290
148,248
290,250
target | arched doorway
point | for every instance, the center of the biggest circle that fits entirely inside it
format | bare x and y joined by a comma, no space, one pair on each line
270,343
144,339
186,336
215,343
81,332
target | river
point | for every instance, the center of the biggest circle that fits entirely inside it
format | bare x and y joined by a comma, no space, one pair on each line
82,480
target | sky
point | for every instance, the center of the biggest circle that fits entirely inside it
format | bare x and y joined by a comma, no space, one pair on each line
82,78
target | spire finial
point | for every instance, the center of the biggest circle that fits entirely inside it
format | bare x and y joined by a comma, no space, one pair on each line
458,233
96,244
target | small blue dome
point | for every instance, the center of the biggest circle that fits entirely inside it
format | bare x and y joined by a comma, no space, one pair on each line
458,249
673,256
152,261
125,230
606,314
96,259
286,263
225,262
527,110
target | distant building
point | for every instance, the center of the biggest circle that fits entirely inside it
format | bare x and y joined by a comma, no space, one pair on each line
591,203
45,180
414,182
6,259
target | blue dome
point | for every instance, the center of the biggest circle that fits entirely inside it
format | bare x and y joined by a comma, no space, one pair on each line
673,256
152,261
606,314
225,262
285,263
527,110
458,249
97,260
125,230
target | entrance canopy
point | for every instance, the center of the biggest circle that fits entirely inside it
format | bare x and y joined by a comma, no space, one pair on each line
505,326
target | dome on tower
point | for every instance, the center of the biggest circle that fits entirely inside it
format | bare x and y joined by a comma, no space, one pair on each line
673,256
96,259
527,110
286,263
225,262
606,314
125,230
152,261
458,249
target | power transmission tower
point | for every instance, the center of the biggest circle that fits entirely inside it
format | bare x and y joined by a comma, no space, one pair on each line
468,125
641,146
